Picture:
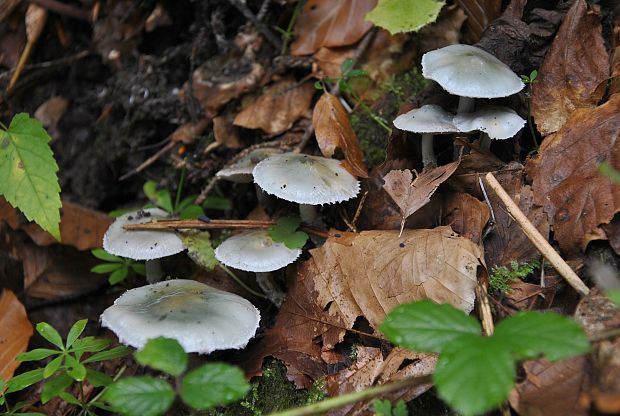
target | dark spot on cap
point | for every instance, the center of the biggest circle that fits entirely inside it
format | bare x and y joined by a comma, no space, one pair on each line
401,245
130,218
161,318
283,186
336,173
337,235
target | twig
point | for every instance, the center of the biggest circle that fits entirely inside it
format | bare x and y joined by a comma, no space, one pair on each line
148,162
536,238
64,9
240,282
485,310
262,28
336,402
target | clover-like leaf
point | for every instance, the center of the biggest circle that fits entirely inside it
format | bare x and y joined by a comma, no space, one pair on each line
285,231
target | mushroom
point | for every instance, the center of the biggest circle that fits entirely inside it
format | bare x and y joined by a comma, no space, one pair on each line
241,170
142,245
470,72
307,180
428,120
201,318
255,251
495,122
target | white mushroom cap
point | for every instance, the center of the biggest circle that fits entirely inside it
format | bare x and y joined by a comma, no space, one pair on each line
427,119
470,72
203,319
241,170
255,251
306,179
496,121
141,245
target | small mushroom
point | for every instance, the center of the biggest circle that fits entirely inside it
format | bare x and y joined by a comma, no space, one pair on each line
428,120
495,122
201,318
142,245
307,180
241,170
255,251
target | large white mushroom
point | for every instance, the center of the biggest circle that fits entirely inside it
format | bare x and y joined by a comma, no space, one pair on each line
201,318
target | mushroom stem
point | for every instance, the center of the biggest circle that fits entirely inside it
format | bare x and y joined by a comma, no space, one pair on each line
267,284
485,142
307,213
466,105
428,155
154,271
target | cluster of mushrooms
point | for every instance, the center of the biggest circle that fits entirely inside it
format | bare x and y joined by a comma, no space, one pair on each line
204,319
470,73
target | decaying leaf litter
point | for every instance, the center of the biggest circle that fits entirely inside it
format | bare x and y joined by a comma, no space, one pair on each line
161,92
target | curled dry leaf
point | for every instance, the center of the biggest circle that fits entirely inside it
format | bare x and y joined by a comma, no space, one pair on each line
466,215
188,132
410,195
333,131
51,111
574,67
226,133
566,180
480,13
15,331
331,24
280,105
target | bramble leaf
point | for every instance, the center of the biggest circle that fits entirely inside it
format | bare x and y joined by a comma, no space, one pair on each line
225,383
140,396
404,15
28,171
164,354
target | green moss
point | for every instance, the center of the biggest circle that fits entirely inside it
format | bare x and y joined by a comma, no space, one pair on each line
501,276
272,392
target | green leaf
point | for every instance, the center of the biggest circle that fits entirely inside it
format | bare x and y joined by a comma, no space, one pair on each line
474,374
118,275
199,248
54,386
140,396
75,331
150,190
69,398
74,368
225,384
404,15
28,171
101,254
89,344
50,334
192,211
36,354
97,378
346,66
106,267
52,366
531,334
607,170
163,354
217,202
116,352
400,409
24,380
614,295
285,231
138,268
427,326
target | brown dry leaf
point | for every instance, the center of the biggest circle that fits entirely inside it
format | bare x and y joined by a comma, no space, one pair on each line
80,227
409,194
466,215
381,270
334,132
280,105
328,61
370,366
226,133
526,296
552,389
612,233
15,331
574,67
479,14
566,180
331,24
51,111
445,31
188,132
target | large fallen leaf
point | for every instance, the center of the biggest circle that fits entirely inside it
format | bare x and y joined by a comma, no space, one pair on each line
329,23
334,132
280,105
480,13
15,331
380,270
572,71
404,15
412,194
566,180
466,215
370,366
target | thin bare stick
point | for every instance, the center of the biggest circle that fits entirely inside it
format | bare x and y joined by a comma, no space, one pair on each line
485,310
536,238
64,9
148,162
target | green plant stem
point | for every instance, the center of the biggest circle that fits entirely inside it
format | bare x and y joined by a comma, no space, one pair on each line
177,199
349,398
288,34
371,113
240,282
116,377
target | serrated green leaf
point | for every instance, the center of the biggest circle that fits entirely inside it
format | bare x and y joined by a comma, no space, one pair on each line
24,380
112,353
285,231
199,248
427,326
140,396
119,275
36,354
531,334
225,384
28,171
163,354
106,267
88,344
404,15
382,407
101,254
49,333
97,378
52,366
54,386
474,374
